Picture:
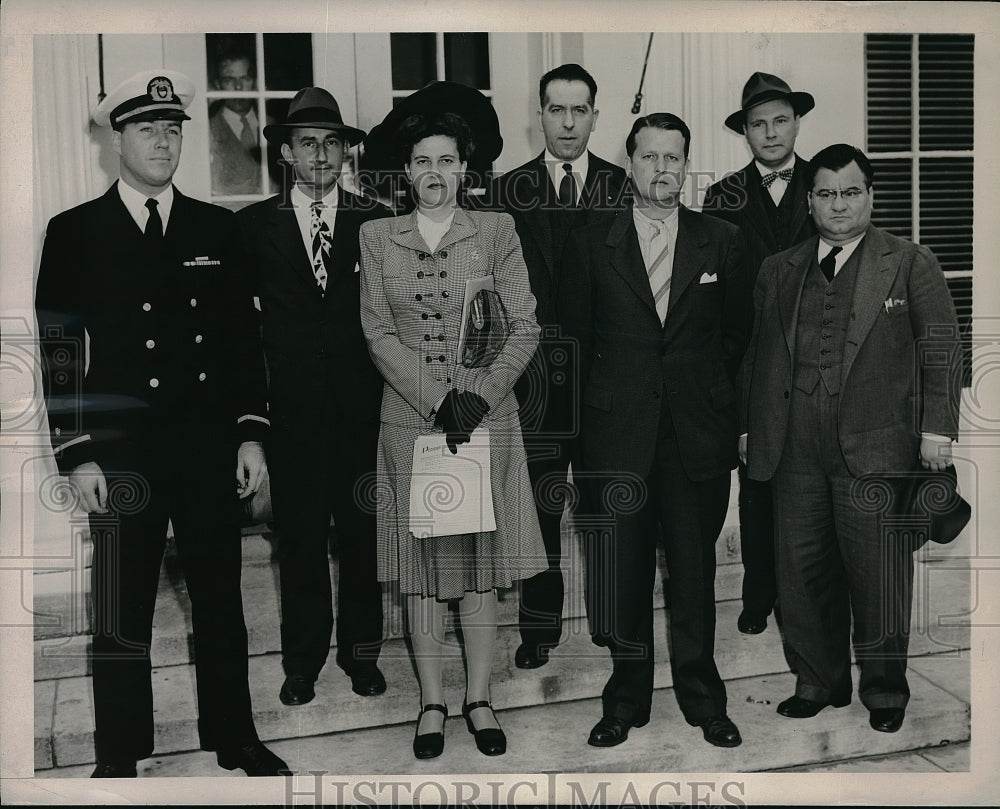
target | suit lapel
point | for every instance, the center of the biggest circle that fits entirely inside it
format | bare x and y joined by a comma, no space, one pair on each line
286,239
689,256
757,214
790,279
801,210
538,221
626,258
877,268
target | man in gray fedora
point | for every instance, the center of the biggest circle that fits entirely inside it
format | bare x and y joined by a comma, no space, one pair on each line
324,395
766,200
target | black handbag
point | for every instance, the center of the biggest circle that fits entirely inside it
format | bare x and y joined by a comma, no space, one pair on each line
915,506
486,329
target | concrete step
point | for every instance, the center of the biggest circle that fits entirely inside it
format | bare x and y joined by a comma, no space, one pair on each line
61,642
552,739
577,670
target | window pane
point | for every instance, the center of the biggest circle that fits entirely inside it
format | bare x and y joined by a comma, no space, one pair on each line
234,152
946,210
889,72
467,59
231,61
946,104
894,196
288,61
277,111
413,60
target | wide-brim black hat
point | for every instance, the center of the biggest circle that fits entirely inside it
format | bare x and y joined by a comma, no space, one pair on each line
381,155
313,107
763,87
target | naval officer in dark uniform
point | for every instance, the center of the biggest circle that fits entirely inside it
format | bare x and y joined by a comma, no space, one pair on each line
153,420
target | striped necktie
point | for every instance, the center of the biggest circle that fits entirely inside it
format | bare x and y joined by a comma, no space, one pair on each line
659,274
322,242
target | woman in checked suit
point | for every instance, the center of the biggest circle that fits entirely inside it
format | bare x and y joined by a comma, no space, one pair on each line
413,274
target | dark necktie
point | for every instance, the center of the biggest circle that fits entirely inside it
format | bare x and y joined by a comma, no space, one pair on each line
322,241
829,263
567,187
154,225
248,135
768,179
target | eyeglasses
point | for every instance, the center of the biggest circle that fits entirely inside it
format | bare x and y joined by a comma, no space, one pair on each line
848,194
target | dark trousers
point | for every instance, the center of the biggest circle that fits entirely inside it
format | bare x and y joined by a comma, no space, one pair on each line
832,564
760,588
313,478
622,529
194,490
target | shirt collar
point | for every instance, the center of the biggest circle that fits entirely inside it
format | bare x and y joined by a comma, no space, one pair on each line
846,252
764,170
135,202
235,120
580,168
647,224
300,199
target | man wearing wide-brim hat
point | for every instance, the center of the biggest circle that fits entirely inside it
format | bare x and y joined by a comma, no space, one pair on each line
766,199
147,430
324,395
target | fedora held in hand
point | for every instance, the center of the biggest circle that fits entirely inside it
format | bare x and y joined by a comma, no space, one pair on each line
761,88
916,506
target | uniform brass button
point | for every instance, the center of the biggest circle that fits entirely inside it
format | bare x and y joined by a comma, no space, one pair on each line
194,302
154,382
198,338
151,344
146,307
419,297
423,316
202,376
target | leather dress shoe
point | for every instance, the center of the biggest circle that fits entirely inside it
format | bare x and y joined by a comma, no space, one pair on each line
530,657
719,730
750,624
886,720
800,708
429,745
254,759
611,731
296,690
368,682
114,769
490,741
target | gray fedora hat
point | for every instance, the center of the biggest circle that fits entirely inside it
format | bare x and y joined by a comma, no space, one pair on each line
313,107
761,88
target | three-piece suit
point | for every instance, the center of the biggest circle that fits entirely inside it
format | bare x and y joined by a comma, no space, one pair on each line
173,385
840,380
658,444
549,414
740,198
324,394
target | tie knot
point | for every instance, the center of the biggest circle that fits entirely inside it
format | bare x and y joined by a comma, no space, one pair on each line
567,167
785,174
151,204
834,252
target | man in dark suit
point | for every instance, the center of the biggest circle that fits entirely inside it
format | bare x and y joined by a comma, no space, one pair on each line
154,385
655,296
564,187
852,369
767,201
235,129
324,394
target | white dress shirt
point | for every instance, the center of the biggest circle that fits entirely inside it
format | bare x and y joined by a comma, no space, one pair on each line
301,204
135,202
554,167
777,188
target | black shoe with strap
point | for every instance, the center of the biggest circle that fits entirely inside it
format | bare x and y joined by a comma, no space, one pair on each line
253,758
114,769
429,745
490,741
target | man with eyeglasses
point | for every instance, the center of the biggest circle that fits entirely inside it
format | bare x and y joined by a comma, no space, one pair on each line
324,395
235,129
853,369
766,200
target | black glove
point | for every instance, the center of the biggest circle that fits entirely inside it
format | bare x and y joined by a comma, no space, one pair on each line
459,415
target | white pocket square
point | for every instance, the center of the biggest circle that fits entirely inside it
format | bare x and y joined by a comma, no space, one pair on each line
357,268
708,279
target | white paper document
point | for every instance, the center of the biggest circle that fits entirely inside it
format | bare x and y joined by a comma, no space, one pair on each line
451,494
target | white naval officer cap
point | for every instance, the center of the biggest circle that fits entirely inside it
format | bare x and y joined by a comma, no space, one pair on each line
152,95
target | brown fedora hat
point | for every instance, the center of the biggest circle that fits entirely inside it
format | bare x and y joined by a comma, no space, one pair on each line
313,107
763,87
